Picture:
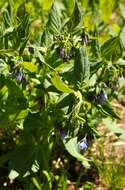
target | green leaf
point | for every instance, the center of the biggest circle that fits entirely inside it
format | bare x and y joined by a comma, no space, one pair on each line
21,32
39,55
8,14
36,183
65,101
60,85
54,23
64,67
48,176
72,147
81,65
30,66
47,38
112,125
21,11
106,9
122,36
69,4
14,89
63,181
107,109
22,159
23,43
122,9
112,49
19,115
121,63
75,19
46,5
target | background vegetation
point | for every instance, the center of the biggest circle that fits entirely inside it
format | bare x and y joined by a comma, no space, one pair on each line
62,65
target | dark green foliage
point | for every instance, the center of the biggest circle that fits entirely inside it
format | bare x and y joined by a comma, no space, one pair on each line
55,88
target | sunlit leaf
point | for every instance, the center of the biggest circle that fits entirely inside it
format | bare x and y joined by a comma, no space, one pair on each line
30,66
106,9
46,4
60,85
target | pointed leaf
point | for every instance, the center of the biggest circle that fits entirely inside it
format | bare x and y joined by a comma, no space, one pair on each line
75,18
30,66
112,49
21,11
54,23
60,85
107,109
81,65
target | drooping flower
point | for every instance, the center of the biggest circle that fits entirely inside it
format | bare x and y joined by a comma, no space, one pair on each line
82,145
19,76
101,98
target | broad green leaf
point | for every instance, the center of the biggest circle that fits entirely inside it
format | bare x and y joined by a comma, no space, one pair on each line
64,67
65,101
81,65
54,23
60,85
18,115
75,19
32,121
30,66
112,49
47,38
21,32
14,89
22,159
112,125
72,147
69,4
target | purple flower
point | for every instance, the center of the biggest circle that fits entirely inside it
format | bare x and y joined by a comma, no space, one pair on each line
101,98
82,145
19,76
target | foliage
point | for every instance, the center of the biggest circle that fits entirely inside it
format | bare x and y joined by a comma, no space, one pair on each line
59,70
